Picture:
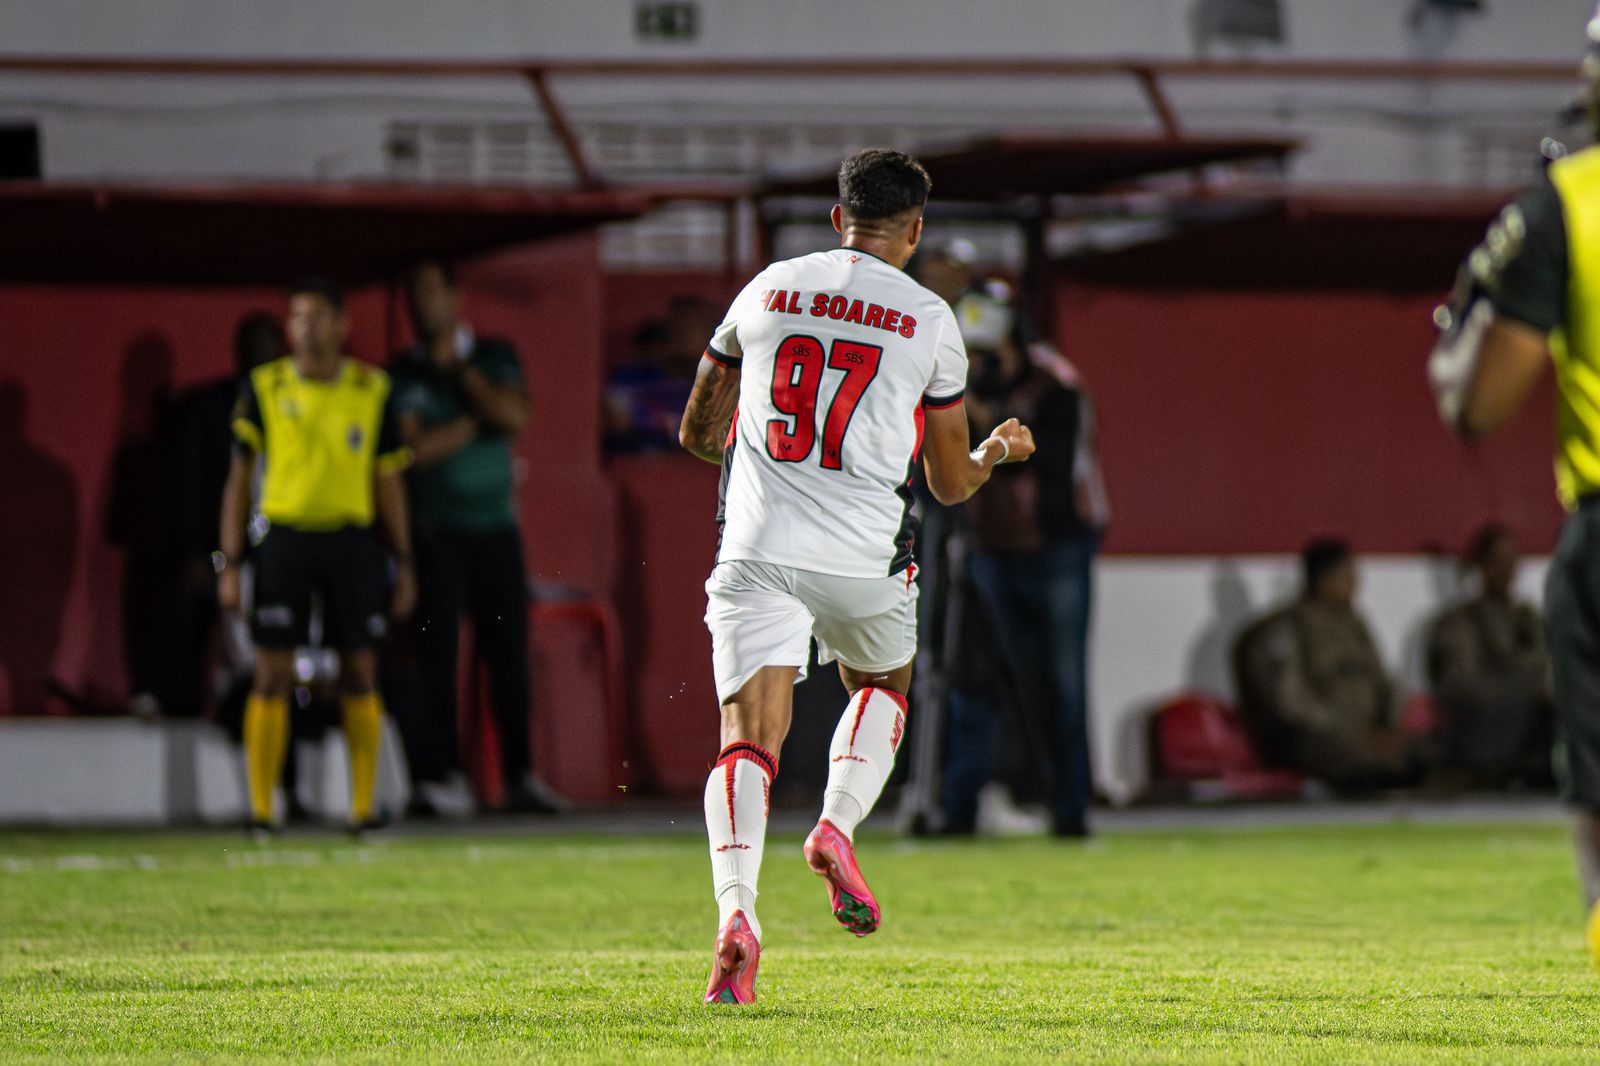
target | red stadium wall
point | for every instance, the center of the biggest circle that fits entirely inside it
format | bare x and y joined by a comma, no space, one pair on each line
1247,422
80,367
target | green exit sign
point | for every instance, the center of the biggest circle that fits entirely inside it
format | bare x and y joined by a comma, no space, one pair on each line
667,21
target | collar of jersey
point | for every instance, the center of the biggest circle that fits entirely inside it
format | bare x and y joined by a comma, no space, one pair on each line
853,250
345,367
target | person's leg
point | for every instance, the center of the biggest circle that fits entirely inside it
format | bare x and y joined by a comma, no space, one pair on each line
870,627
497,594
438,628
266,728
280,614
1065,586
1572,605
362,709
969,756
760,643
355,594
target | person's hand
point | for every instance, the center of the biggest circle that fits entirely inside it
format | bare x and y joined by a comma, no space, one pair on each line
229,595
403,598
1018,439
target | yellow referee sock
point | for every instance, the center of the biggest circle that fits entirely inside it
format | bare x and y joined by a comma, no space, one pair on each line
266,740
363,731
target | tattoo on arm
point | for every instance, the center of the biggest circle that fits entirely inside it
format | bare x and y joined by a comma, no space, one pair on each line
710,411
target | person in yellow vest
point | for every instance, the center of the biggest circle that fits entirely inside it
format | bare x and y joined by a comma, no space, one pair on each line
1528,296
324,429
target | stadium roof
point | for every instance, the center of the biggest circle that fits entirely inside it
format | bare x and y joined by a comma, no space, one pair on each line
271,234
1395,240
1002,168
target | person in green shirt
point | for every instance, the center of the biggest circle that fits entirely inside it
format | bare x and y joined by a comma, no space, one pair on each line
461,401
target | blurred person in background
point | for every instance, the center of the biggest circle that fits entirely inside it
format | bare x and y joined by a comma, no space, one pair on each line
325,431
1313,690
645,396
205,435
1529,296
1490,673
462,400
1033,537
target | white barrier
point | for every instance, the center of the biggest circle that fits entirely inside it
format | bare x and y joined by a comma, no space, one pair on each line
1163,625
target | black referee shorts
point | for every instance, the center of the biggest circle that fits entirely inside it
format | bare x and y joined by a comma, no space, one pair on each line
341,572
1572,611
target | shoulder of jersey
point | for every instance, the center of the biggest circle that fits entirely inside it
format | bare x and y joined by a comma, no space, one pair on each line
367,376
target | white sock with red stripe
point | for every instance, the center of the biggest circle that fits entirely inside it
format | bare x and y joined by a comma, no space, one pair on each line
736,821
861,756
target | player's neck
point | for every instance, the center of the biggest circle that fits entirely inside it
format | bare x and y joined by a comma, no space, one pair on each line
317,366
894,252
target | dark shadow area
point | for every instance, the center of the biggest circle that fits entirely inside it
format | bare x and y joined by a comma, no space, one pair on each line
1208,669
38,546
139,514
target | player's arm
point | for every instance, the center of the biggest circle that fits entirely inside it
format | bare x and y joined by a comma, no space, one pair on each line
955,469
1510,294
389,500
235,521
390,504
249,436
502,405
1511,359
709,414
436,443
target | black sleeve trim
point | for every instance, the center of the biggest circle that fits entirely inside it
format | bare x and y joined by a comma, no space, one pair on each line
936,403
732,361
1531,286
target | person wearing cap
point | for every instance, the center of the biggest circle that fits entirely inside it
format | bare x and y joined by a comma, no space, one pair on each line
1033,541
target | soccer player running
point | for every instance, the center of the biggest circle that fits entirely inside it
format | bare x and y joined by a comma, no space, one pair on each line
325,428
1530,295
828,376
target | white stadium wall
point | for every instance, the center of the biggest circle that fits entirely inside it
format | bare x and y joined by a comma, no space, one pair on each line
1162,626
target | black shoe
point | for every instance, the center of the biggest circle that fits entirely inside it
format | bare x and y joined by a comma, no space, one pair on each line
533,796
1071,829
359,831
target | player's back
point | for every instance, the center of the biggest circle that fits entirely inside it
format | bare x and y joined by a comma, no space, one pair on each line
839,351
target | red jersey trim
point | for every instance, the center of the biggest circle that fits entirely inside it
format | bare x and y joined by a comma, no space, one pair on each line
730,361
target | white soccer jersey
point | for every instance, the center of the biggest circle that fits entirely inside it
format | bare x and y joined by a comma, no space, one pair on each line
839,352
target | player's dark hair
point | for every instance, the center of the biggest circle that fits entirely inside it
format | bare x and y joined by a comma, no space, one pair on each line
1322,557
1483,542
326,288
878,183
257,333
446,269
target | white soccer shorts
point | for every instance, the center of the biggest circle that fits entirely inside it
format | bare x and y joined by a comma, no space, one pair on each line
763,614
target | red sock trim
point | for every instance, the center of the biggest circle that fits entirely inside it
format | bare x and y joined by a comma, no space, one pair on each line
743,749
863,694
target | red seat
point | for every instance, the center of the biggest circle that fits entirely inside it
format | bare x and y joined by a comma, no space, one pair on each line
1199,738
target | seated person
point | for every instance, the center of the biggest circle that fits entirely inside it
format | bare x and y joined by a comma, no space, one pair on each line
1490,674
1312,689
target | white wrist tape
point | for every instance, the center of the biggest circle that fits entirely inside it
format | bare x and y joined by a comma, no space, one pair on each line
1453,365
1005,450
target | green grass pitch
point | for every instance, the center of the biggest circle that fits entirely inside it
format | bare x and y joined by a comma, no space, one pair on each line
1391,944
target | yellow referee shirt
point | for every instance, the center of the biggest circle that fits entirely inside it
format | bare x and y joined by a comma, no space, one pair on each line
322,442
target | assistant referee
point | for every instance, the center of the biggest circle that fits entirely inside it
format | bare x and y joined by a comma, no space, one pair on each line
324,429
1527,297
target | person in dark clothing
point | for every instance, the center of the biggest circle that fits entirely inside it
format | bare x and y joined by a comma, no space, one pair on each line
462,400
204,430
1490,673
1034,535
1314,692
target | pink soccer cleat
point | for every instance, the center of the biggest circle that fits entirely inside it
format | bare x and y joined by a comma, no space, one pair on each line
733,967
830,853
